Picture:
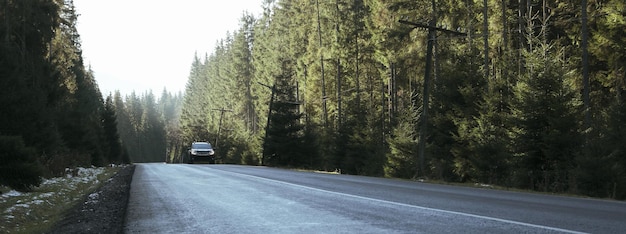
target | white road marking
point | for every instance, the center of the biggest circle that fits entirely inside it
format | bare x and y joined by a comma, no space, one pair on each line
415,206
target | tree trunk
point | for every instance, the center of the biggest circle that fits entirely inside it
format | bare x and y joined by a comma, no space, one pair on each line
319,33
585,67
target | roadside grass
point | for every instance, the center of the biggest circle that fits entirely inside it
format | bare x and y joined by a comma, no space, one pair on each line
37,211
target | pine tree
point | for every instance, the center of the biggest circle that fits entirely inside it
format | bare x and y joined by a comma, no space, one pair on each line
152,131
242,70
284,145
545,133
195,107
403,145
481,150
111,136
124,125
504,108
20,168
600,169
26,30
55,103
170,109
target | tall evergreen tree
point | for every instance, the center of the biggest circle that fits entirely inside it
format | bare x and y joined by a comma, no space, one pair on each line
111,136
124,126
27,29
195,106
545,133
52,101
284,145
504,108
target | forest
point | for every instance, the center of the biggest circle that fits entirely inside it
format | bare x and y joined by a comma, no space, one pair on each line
53,114
524,94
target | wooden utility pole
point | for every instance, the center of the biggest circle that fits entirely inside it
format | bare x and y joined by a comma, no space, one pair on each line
432,36
219,128
269,114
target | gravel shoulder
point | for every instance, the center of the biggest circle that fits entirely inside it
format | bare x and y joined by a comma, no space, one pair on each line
102,211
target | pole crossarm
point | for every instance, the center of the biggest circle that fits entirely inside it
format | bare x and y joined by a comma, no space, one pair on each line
426,26
267,86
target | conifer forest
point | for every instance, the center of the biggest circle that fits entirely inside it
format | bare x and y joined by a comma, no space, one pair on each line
525,94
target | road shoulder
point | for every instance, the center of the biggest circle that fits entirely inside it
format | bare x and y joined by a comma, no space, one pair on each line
102,211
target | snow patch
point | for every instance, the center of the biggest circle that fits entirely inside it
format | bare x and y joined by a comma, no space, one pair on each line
12,193
52,181
37,202
93,198
73,178
44,195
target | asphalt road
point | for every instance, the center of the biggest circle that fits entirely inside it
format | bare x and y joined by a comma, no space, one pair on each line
175,198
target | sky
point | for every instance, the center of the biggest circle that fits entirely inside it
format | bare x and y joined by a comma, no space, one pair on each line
143,45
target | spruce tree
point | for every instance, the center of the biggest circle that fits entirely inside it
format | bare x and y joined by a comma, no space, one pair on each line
284,144
20,168
111,136
403,145
545,125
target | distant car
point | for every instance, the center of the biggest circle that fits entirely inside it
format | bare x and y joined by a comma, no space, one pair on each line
201,150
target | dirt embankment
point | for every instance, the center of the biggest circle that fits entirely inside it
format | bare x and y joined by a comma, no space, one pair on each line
102,211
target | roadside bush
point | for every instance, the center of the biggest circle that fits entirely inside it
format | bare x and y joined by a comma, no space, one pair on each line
20,169
57,163
403,144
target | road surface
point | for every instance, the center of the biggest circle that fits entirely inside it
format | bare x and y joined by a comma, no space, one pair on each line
176,198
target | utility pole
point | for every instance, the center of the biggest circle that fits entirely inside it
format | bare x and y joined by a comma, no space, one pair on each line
432,36
219,128
269,115
267,125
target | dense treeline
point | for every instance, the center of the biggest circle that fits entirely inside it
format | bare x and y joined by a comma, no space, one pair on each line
148,127
53,115
526,98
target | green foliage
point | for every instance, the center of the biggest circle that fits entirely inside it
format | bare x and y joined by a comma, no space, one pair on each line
545,128
146,127
505,104
284,144
403,145
481,153
112,138
603,173
25,72
20,169
51,100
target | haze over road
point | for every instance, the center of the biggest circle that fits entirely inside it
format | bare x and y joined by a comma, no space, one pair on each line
176,198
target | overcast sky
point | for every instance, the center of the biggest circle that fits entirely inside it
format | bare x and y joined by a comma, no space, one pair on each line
141,45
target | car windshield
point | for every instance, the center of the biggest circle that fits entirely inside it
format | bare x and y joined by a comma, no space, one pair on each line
201,146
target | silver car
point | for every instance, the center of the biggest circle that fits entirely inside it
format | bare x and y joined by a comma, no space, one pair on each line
201,150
